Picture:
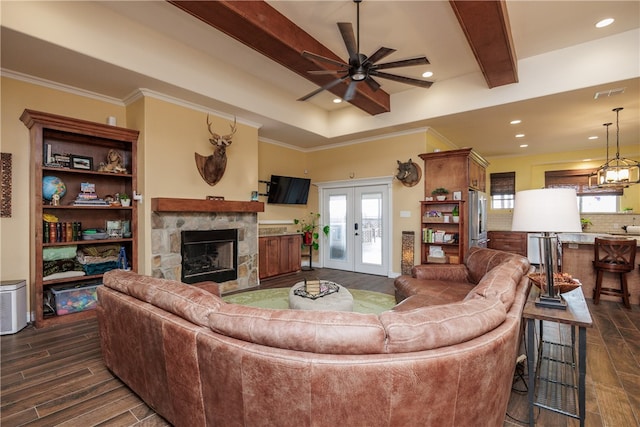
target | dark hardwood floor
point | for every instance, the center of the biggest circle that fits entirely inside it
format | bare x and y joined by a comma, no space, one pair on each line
55,376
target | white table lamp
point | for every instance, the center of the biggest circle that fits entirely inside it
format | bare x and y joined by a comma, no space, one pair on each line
548,211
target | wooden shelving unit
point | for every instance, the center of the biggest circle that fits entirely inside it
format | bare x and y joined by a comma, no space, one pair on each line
434,216
89,140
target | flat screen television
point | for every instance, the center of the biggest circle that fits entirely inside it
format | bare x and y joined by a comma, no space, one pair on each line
287,190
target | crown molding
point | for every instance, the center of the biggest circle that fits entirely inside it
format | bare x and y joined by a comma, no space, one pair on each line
59,86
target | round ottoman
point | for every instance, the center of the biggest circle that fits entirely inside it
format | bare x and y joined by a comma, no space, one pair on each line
337,301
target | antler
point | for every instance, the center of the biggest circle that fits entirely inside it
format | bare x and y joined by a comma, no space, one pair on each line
221,139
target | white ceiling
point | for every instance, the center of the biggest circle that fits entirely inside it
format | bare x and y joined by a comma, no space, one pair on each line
103,47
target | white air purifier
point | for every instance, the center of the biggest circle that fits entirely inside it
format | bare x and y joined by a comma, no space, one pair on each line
13,306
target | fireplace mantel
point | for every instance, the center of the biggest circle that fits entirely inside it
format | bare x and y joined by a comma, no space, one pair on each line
165,204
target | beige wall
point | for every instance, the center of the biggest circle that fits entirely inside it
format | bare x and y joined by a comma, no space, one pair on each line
171,136
371,159
171,133
530,169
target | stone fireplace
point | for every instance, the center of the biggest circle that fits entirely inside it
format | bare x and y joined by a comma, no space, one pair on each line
209,255
173,219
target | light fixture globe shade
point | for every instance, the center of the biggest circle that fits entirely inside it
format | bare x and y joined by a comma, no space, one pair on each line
553,210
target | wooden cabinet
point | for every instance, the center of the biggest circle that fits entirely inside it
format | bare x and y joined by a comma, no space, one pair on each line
439,230
84,145
508,241
457,171
279,255
477,174
290,259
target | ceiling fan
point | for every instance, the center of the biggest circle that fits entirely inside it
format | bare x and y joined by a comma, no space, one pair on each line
360,67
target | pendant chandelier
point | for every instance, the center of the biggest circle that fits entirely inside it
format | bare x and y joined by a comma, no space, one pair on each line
617,172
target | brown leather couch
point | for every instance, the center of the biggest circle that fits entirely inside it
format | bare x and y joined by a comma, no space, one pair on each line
199,361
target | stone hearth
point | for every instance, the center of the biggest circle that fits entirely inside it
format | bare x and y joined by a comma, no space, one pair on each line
172,216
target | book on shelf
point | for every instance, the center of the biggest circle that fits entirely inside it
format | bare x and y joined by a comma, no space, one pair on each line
87,196
95,202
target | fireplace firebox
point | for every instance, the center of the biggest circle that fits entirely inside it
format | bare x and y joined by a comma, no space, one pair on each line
209,255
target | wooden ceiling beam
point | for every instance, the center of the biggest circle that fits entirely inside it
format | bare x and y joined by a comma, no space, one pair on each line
264,29
486,25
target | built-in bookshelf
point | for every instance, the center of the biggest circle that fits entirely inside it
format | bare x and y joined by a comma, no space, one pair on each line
88,217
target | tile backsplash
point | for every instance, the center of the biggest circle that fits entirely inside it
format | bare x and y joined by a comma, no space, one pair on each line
601,223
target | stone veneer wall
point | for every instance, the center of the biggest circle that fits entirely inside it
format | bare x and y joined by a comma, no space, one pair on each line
166,228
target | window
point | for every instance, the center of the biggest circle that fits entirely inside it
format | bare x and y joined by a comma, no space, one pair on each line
503,190
590,199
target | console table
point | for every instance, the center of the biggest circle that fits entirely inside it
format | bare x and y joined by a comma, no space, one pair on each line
556,379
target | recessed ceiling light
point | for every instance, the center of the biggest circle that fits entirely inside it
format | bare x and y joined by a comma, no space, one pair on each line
604,23
515,122
593,137
524,145
337,100
427,74
520,135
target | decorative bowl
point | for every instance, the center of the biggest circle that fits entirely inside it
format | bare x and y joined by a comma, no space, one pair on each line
561,281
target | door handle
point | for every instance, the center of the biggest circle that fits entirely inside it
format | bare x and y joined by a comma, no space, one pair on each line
355,227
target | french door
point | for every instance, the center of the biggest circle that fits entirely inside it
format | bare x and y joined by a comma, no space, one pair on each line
358,219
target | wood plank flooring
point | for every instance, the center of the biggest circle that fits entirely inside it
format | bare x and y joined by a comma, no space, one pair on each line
55,376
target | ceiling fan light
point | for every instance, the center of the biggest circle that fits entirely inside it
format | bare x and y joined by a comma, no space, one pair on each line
359,74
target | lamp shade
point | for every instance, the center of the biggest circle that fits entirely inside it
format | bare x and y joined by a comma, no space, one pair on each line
553,210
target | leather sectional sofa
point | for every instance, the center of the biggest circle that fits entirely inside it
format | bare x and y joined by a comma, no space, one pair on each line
444,356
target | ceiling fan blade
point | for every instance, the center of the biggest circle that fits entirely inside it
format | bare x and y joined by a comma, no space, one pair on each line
325,87
324,72
315,57
351,91
420,60
346,29
402,79
379,54
374,85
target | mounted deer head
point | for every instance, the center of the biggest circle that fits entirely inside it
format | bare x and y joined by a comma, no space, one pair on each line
409,173
212,167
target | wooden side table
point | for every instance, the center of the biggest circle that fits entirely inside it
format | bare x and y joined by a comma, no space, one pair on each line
552,374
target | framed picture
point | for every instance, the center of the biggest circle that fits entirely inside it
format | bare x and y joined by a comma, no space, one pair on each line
114,229
457,195
82,162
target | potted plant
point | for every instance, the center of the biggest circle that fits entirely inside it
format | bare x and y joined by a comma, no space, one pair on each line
440,193
585,222
456,214
124,199
309,229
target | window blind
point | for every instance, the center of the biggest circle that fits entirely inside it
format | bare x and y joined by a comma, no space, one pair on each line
578,179
503,183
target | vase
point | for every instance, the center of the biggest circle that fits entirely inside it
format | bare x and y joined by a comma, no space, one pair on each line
308,238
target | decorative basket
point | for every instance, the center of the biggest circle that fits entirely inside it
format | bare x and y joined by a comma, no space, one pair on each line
561,281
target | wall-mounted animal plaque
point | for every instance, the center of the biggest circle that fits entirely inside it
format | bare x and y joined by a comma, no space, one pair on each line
212,167
409,173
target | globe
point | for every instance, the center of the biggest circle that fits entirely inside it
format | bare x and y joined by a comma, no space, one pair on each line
52,185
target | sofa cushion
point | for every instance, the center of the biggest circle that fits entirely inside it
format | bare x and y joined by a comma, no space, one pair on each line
330,332
500,283
480,261
441,325
189,302
440,291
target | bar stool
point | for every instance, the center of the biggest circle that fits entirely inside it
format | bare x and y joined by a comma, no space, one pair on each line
614,255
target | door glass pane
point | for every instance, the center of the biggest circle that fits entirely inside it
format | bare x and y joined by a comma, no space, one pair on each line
371,208
338,227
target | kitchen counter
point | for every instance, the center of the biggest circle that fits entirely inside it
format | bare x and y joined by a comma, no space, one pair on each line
589,238
577,260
